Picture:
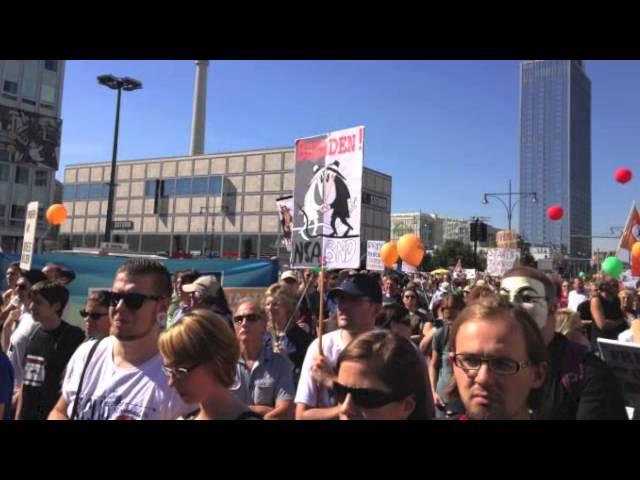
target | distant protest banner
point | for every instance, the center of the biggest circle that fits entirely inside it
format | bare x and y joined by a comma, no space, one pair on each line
29,237
285,212
624,361
327,200
470,274
374,262
500,260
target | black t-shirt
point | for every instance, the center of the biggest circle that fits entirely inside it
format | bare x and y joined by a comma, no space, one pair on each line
612,311
46,358
599,395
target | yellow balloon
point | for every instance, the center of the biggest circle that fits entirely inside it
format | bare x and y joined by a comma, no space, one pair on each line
635,250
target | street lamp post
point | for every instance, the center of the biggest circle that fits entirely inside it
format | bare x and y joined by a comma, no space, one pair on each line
127,84
511,205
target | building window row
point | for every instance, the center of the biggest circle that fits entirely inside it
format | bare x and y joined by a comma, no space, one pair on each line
177,187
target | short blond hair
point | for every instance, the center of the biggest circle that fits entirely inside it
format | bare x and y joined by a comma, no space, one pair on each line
567,321
202,337
280,293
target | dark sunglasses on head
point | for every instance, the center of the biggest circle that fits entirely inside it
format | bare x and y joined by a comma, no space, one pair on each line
251,317
364,397
133,301
92,315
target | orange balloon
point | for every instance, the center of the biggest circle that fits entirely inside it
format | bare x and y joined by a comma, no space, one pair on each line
635,250
56,214
411,249
389,254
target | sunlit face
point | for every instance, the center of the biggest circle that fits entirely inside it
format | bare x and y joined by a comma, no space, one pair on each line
528,293
41,310
578,284
99,325
485,393
248,322
13,273
355,314
133,324
410,300
357,375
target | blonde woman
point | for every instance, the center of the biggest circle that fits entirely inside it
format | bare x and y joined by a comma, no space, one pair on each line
290,339
200,355
568,323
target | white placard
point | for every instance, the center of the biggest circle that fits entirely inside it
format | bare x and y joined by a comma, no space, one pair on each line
624,360
29,237
501,260
374,262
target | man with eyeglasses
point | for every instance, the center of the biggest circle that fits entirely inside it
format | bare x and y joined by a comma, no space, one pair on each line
359,300
121,375
264,379
579,386
499,361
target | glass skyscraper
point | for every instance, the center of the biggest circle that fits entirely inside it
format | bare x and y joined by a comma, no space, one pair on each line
555,154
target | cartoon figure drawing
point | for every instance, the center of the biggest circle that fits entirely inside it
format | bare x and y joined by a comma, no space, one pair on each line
328,190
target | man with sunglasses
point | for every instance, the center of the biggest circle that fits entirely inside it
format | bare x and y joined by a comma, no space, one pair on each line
579,385
359,300
95,313
123,378
264,379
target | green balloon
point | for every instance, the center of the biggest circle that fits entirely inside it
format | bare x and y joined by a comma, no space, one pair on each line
581,275
612,266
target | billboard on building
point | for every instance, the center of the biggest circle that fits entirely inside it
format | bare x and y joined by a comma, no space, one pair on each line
327,200
285,213
30,137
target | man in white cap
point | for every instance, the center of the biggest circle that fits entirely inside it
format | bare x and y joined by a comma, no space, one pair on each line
206,292
442,291
290,279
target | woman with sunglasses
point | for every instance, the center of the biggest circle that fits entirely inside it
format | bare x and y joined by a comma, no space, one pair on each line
200,355
96,315
380,378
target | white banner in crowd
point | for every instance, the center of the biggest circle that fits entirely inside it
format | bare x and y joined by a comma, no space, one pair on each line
29,237
624,361
470,274
374,262
285,213
327,200
501,260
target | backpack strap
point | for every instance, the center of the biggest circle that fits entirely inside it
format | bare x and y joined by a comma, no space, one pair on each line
74,411
572,369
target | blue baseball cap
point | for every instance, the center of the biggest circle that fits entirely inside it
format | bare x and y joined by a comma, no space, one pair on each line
359,285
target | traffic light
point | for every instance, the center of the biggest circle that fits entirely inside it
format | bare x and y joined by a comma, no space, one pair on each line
478,232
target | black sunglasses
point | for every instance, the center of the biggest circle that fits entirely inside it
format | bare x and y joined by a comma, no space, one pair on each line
133,301
22,286
251,317
365,397
92,315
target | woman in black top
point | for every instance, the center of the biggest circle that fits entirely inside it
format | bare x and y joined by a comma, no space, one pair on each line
200,355
608,318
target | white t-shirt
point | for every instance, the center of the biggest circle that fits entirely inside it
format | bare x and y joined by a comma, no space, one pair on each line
112,393
332,346
18,345
576,299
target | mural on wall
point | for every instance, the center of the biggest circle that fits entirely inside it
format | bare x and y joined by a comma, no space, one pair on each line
30,137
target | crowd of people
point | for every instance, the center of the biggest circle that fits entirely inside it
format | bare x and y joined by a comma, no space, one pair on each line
393,346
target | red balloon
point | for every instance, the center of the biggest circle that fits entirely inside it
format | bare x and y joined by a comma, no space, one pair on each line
623,175
555,213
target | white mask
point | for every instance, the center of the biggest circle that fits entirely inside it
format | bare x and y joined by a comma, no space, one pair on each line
530,294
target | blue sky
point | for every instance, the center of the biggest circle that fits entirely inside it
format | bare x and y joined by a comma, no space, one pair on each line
447,131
